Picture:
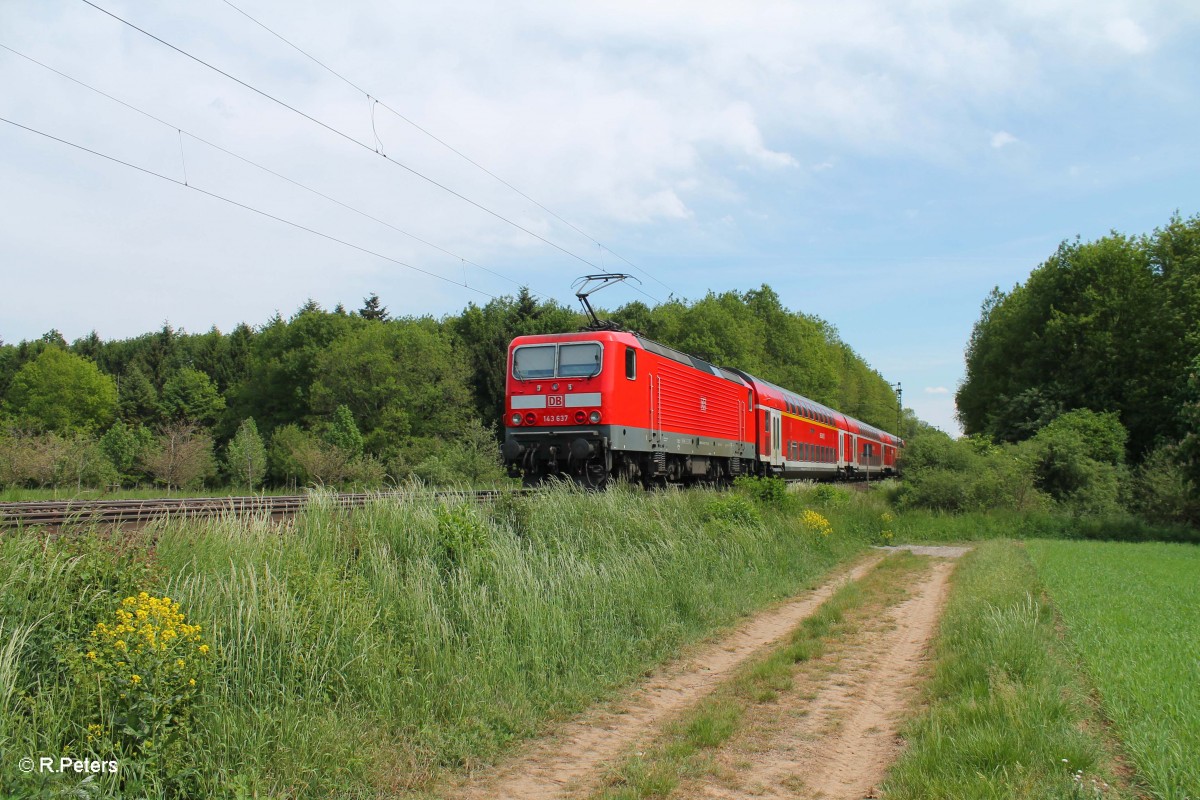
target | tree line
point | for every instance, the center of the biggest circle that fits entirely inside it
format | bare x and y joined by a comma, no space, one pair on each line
1083,384
355,398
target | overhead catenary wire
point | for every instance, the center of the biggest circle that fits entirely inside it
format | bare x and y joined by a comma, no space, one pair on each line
376,101
341,134
244,206
182,132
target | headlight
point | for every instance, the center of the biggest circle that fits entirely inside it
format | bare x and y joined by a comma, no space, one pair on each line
594,417
516,419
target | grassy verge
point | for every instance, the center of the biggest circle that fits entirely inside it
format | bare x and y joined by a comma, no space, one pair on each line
1006,717
358,653
1132,613
685,748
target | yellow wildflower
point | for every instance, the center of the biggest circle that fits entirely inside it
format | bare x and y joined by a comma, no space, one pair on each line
816,522
136,679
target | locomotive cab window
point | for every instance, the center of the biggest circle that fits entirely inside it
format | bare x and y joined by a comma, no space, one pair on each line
578,360
536,361
630,363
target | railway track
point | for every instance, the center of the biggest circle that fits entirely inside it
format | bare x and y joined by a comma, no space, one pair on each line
56,514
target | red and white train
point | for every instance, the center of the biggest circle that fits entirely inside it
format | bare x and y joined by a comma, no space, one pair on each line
604,404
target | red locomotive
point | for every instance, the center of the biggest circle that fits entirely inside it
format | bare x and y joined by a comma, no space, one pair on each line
603,404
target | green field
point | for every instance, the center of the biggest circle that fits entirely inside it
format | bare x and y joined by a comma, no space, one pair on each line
1005,716
1132,613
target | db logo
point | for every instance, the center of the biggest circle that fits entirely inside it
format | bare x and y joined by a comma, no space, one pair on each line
555,401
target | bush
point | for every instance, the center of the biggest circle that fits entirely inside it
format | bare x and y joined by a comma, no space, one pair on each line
770,492
828,495
51,459
733,510
1078,459
1160,491
460,533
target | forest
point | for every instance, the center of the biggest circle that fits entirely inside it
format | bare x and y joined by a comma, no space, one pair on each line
1082,387
355,398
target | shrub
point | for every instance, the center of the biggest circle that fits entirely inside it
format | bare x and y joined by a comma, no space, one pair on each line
460,533
768,491
731,509
826,494
1160,490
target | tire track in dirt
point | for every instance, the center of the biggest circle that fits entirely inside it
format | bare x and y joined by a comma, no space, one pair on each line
572,760
835,734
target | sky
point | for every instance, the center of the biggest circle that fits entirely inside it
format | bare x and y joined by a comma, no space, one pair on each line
880,165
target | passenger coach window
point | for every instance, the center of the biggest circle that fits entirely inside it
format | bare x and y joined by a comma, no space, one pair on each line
534,362
630,363
578,360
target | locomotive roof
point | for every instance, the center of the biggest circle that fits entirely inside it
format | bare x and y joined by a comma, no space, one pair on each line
691,361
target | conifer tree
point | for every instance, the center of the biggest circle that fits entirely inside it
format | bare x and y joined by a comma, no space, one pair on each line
373,309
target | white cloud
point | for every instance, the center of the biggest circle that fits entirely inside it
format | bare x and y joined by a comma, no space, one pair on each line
936,390
1003,139
1128,35
639,122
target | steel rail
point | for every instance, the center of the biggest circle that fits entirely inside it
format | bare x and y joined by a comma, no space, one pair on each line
62,512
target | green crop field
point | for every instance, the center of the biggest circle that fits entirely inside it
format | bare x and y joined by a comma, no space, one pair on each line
1132,613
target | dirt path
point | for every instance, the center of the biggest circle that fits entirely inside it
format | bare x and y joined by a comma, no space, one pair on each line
572,761
834,736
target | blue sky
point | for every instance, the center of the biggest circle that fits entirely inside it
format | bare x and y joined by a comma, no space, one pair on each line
881,165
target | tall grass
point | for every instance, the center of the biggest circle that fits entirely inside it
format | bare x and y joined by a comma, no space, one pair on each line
368,650
1132,612
1006,717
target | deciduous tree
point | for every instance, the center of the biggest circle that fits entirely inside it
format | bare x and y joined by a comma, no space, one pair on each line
181,456
62,392
246,456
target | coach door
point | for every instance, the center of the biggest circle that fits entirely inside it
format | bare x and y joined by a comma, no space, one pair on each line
847,448
776,425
